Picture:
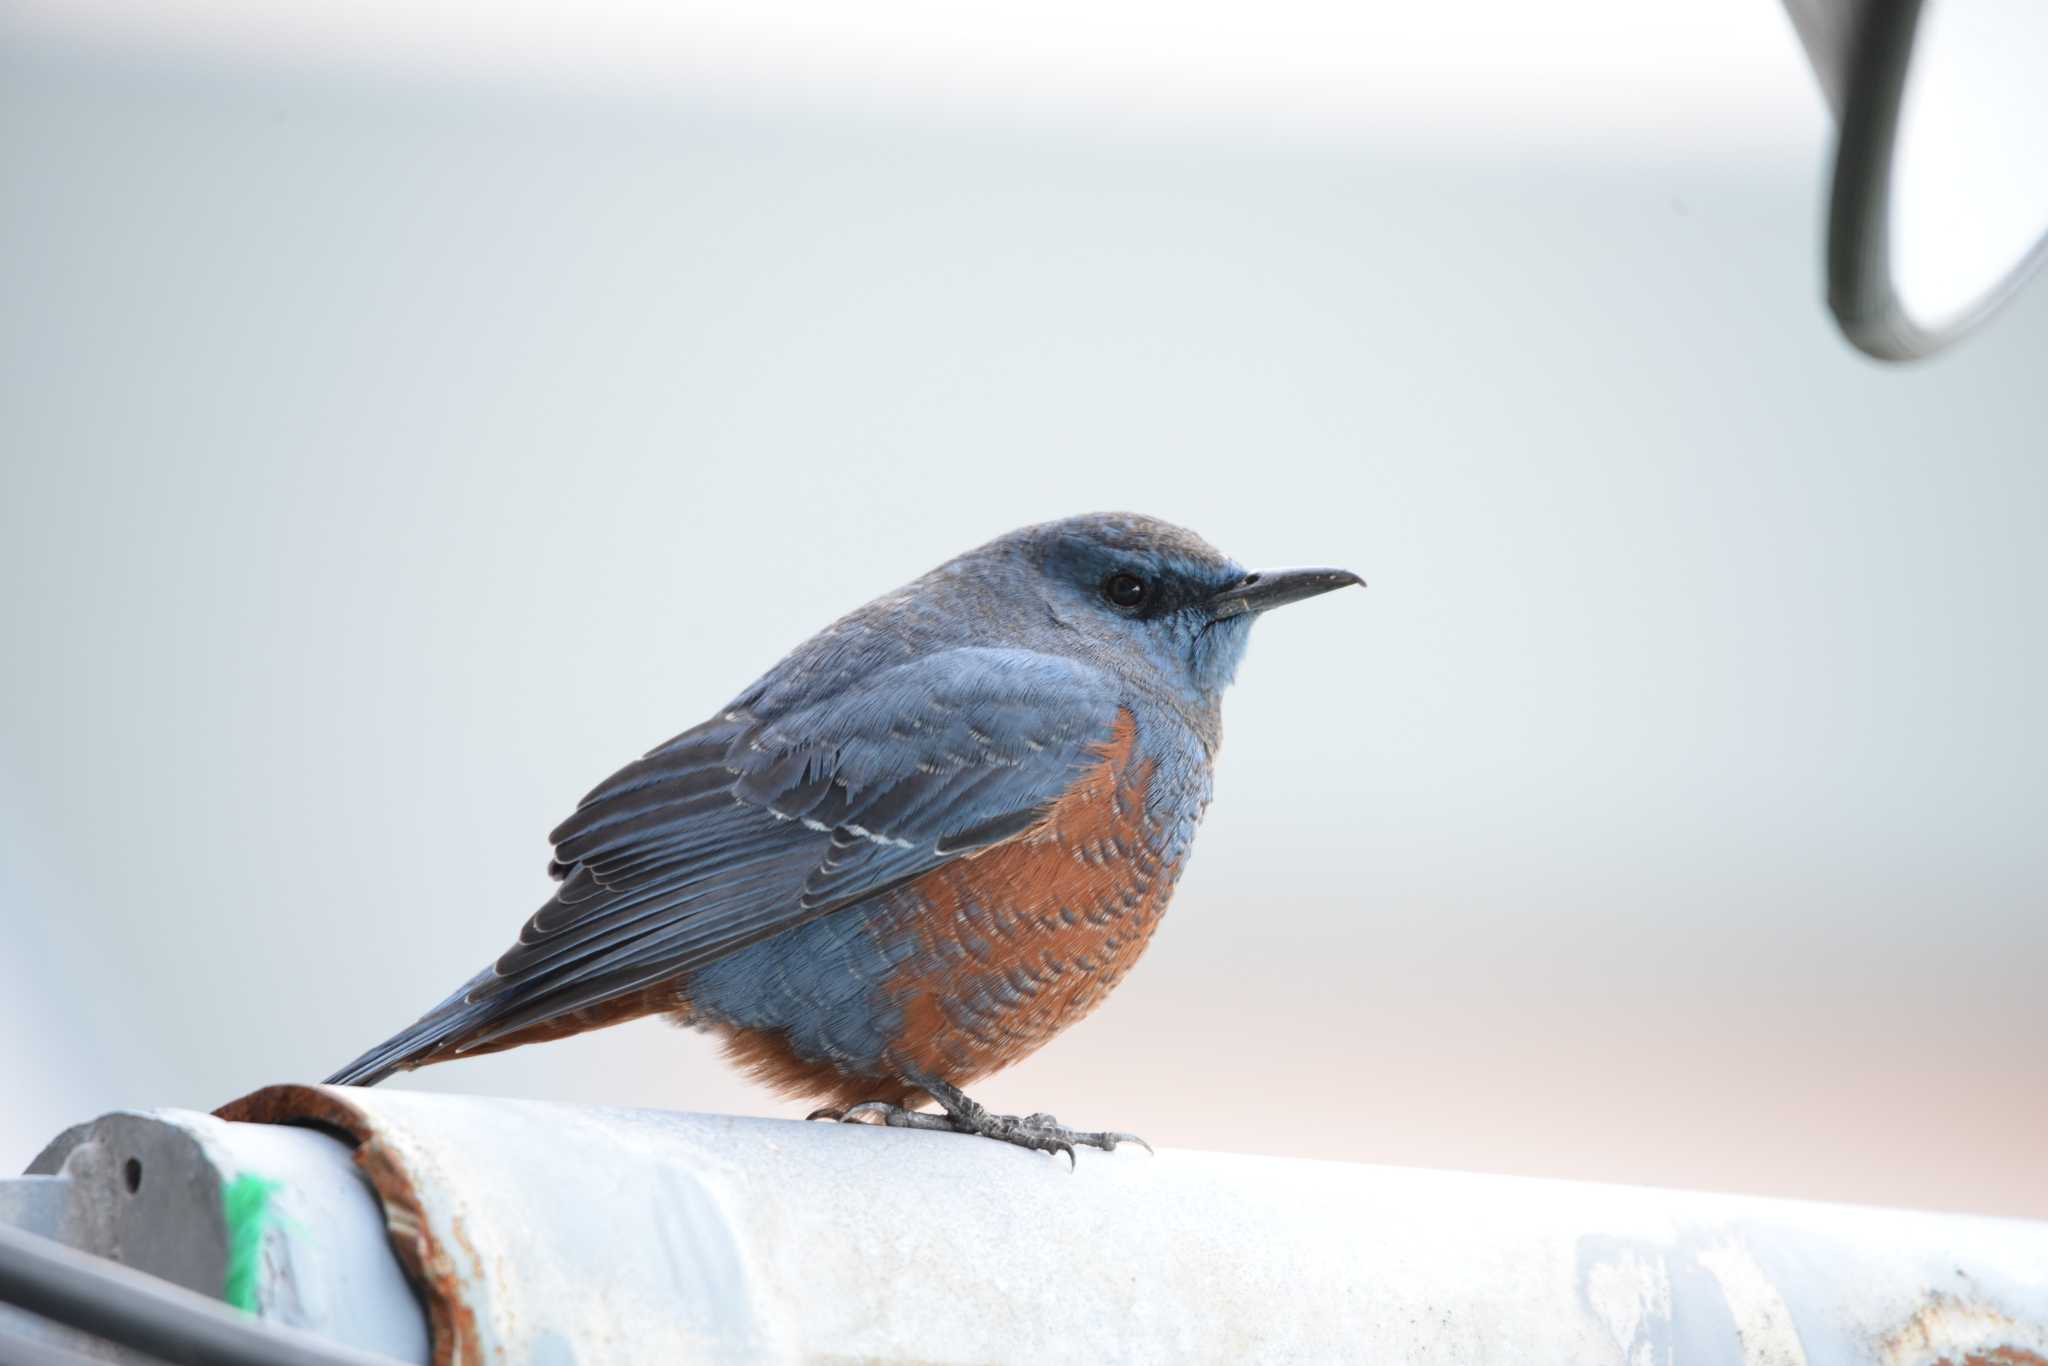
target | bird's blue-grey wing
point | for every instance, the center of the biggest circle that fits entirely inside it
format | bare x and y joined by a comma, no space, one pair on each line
747,826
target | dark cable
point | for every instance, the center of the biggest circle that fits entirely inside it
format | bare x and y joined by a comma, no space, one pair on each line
167,1321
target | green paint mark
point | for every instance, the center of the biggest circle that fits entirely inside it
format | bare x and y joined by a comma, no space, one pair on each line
246,1202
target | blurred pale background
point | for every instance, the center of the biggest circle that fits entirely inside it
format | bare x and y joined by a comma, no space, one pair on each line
411,413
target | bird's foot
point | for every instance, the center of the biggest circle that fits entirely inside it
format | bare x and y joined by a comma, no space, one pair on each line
1040,1132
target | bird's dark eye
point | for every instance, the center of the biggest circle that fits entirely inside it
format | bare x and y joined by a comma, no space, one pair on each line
1126,590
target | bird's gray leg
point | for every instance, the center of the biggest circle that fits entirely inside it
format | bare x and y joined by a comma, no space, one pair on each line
1040,1132
895,1116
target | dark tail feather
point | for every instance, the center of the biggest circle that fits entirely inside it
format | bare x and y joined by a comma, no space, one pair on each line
450,1020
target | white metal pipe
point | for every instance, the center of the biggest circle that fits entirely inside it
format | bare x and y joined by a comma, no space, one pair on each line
554,1233
539,1233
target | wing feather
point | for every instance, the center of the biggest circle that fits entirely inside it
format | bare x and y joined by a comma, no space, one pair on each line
748,825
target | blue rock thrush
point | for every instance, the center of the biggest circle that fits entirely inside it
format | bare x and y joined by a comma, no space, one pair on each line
930,839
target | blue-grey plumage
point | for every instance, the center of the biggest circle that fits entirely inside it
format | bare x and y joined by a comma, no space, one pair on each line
919,845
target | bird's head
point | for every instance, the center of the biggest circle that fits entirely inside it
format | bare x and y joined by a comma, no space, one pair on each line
1151,600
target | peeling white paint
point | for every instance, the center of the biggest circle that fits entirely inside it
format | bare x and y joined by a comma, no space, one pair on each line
1632,1296
1762,1321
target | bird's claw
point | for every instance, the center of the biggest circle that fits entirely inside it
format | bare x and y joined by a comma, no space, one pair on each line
1105,1139
1038,1132
885,1113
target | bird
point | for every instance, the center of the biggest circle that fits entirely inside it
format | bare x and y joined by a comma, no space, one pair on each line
933,836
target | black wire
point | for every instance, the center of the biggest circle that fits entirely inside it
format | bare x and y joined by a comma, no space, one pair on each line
166,1321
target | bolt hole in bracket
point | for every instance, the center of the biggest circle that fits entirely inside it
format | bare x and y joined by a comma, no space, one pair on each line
150,1191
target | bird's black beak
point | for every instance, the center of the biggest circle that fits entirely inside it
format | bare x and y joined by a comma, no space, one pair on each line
1269,588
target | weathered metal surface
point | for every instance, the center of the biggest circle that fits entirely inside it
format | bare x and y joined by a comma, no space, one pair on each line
551,1234
36,1204
145,1190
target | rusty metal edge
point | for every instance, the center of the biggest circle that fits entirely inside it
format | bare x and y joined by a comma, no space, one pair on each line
451,1319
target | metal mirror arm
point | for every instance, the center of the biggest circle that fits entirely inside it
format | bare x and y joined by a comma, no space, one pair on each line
1860,51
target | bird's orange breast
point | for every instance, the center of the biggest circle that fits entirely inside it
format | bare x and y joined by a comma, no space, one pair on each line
1003,950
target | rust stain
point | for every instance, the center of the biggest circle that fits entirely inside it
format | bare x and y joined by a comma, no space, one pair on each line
451,1317
1949,1331
457,1341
